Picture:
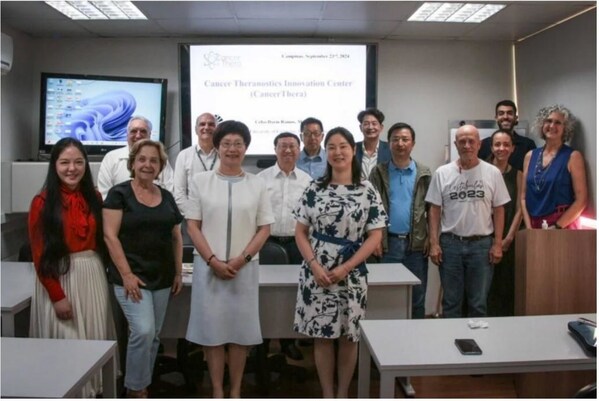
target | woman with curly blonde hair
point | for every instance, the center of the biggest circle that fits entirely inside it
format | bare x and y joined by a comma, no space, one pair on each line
554,187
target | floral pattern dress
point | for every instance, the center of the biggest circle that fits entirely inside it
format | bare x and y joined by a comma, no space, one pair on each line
342,211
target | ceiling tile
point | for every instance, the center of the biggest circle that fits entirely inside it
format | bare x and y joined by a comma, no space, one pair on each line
29,9
49,28
205,27
126,28
427,30
185,9
505,31
538,12
369,10
366,29
282,27
277,9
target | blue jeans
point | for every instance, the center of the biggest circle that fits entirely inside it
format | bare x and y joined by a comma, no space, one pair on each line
465,266
417,263
145,321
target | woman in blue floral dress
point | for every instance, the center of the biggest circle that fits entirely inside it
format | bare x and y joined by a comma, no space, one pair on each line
333,216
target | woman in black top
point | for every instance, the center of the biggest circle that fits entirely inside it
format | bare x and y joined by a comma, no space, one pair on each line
143,235
501,293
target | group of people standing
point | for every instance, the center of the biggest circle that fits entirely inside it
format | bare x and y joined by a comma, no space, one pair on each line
331,207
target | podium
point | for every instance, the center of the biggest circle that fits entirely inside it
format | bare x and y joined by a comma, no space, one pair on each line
556,273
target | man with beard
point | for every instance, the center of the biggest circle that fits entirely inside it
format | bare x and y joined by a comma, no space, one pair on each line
506,116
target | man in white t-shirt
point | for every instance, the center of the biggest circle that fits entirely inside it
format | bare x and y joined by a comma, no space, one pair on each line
195,159
286,184
467,198
113,169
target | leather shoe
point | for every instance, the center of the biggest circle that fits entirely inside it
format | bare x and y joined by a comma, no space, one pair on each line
291,351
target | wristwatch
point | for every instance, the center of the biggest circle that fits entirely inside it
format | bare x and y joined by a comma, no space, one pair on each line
247,257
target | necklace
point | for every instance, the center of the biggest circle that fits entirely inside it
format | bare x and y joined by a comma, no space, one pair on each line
241,174
202,161
540,172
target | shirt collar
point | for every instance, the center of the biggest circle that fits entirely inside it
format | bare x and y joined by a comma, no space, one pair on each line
321,154
377,147
280,173
200,150
411,167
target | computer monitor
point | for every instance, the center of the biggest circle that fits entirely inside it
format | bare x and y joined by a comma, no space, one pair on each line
96,109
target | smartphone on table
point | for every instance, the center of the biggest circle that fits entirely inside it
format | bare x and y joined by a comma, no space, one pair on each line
468,346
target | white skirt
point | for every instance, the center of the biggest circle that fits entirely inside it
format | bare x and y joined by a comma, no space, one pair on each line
86,288
224,311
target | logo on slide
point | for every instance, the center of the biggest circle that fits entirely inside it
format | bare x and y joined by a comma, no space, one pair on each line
213,60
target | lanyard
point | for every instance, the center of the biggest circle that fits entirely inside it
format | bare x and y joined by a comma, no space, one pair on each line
202,161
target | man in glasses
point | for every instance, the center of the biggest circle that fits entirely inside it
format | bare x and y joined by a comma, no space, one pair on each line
313,158
113,169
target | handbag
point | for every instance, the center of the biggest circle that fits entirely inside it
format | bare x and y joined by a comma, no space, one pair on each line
584,332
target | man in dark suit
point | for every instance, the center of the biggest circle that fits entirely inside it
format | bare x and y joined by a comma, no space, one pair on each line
506,116
372,150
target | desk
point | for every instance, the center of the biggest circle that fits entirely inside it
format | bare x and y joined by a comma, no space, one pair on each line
49,368
389,297
18,280
404,348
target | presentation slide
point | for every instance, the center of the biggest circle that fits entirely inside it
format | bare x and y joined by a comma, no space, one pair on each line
272,88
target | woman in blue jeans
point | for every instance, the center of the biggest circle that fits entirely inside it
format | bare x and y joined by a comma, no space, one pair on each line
143,235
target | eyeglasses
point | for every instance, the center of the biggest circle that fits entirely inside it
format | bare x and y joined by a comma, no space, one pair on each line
312,134
291,147
140,131
550,121
229,145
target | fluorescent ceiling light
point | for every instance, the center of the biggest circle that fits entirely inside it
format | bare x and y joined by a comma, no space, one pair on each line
455,12
97,10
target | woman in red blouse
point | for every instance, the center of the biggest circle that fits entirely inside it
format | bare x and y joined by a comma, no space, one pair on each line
65,229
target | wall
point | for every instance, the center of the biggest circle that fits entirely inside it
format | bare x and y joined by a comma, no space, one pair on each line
429,83
559,66
17,134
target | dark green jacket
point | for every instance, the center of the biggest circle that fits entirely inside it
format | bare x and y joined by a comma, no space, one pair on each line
379,177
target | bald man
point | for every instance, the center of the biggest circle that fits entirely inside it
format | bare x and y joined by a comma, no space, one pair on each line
466,200
195,159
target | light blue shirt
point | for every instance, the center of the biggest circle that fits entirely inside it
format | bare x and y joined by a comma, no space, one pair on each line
315,165
401,192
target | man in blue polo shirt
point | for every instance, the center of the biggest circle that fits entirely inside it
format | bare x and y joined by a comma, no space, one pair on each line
403,183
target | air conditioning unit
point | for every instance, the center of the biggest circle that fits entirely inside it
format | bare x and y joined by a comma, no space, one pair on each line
6,50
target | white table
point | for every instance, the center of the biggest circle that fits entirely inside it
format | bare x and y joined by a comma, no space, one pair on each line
49,368
389,297
404,348
18,279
